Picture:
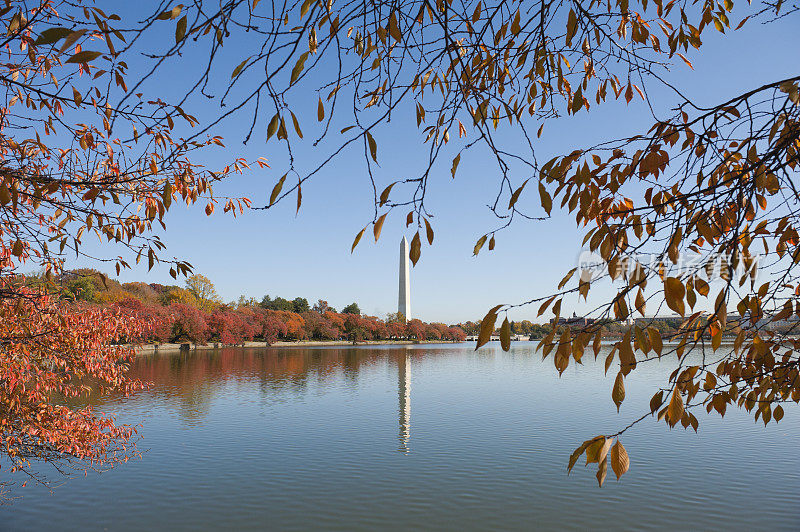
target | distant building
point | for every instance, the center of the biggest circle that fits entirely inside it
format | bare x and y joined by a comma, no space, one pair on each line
672,320
574,321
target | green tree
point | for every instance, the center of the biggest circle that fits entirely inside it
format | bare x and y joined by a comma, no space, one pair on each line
352,308
300,305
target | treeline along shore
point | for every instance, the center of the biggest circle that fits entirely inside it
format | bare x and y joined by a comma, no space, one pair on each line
194,314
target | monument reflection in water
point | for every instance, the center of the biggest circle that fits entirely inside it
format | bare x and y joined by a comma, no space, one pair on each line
404,400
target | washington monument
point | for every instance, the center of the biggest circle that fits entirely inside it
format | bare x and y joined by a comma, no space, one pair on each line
404,294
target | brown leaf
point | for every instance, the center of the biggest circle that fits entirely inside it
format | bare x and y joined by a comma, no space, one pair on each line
674,292
655,340
180,30
385,194
618,392
675,408
620,462
478,245
656,401
602,469
505,335
415,249
429,231
456,160
276,190
373,146
487,326
376,230
84,57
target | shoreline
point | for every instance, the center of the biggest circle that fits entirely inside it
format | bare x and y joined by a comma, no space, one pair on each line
148,349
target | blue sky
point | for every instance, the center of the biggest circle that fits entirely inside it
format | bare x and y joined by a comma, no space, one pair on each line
277,253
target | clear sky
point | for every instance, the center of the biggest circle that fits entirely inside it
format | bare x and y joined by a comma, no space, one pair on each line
277,253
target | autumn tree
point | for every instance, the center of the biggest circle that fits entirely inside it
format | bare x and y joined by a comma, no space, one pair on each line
204,291
87,152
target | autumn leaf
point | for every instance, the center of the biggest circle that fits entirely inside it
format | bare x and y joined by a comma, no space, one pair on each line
618,457
378,226
180,30
618,392
84,57
505,335
357,239
675,408
276,190
674,292
416,246
487,327
429,231
456,160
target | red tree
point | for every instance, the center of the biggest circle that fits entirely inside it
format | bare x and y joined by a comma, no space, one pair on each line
50,350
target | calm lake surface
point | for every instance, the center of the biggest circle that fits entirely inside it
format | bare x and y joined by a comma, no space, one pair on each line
426,436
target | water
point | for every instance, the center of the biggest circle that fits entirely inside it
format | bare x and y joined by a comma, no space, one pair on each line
434,437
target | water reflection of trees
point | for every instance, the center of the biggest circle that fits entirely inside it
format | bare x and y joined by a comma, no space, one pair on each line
189,382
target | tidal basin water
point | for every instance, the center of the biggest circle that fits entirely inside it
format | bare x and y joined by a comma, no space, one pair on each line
436,437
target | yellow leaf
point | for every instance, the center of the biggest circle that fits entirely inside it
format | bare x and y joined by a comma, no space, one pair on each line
378,226
674,292
620,462
655,340
675,408
305,7
357,239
